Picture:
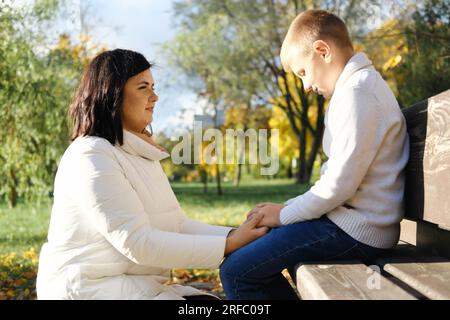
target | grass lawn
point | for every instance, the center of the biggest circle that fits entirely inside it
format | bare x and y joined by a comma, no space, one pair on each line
23,229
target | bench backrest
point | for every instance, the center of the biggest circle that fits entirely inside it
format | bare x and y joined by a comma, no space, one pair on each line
427,189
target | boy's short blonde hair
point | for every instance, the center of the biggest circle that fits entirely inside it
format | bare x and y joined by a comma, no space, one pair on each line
310,26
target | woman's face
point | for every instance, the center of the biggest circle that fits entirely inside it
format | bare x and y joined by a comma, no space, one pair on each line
139,99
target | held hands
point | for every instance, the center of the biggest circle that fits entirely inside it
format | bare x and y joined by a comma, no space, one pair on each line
270,213
259,219
244,234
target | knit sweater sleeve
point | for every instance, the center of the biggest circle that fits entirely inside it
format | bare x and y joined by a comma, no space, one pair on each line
357,131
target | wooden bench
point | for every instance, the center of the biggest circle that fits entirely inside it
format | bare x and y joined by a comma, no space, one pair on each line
419,266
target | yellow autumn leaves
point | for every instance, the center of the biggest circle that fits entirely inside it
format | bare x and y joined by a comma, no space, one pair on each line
18,275
204,280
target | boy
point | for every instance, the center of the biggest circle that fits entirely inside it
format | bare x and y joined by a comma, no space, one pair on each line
353,211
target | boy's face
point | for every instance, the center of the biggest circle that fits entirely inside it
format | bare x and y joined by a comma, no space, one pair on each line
312,69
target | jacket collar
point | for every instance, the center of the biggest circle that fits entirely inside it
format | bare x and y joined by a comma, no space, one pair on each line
357,62
134,145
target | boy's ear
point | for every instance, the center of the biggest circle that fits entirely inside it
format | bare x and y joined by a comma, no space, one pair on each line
323,49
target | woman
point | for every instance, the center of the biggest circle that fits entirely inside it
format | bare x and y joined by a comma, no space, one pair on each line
116,227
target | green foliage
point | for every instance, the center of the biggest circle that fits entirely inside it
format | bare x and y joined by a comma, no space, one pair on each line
425,71
36,85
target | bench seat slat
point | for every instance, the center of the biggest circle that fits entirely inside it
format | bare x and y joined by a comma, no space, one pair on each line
432,279
426,273
344,281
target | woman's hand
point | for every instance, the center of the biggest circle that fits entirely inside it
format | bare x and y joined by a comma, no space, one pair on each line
244,234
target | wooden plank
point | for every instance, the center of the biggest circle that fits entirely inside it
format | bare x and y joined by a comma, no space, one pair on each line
428,170
408,231
346,281
432,279
426,273
416,120
426,236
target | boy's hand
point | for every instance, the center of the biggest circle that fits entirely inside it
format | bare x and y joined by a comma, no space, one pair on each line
270,212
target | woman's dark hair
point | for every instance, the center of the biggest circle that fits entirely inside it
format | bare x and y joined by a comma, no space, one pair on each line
97,107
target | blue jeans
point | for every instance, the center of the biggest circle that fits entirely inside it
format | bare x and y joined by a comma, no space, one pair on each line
254,271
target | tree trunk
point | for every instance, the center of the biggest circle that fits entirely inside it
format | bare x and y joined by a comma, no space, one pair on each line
219,187
301,173
306,162
204,179
237,175
241,155
289,170
12,194
317,142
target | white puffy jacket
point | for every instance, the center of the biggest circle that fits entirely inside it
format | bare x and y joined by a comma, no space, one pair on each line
117,229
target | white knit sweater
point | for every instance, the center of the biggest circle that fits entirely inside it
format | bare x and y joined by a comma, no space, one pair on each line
362,184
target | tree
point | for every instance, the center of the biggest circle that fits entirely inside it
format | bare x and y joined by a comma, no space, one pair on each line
27,110
186,52
412,50
425,70
245,37
36,86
